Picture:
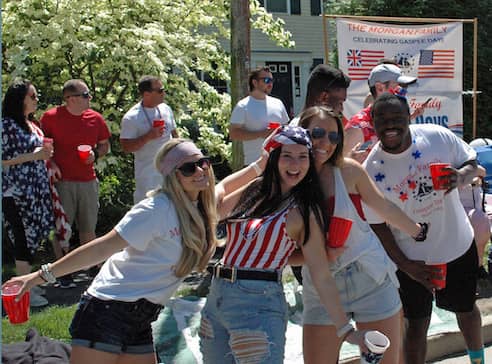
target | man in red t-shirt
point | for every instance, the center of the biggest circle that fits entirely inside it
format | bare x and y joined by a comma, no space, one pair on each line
71,125
360,130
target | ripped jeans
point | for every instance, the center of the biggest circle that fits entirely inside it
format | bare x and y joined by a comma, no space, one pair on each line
244,323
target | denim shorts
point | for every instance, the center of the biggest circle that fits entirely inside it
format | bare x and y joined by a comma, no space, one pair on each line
244,322
114,326
363,299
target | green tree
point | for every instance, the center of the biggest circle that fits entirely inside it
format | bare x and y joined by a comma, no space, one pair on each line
110,44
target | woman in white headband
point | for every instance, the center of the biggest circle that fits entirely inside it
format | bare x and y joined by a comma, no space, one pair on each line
148,254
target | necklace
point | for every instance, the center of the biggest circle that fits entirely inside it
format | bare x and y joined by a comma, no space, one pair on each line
416,184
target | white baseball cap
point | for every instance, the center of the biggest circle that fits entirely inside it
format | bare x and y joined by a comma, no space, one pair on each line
388,72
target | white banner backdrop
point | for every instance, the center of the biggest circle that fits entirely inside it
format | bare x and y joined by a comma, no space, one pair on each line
433,53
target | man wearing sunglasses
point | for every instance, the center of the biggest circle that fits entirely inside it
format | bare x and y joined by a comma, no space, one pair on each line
71,125
144,129
252,115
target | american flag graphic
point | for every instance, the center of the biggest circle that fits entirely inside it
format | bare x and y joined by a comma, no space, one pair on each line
436,63
361,62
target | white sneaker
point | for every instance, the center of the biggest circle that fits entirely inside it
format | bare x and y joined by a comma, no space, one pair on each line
38,290
37,300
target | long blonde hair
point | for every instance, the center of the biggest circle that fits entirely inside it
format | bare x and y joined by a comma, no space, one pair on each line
197,222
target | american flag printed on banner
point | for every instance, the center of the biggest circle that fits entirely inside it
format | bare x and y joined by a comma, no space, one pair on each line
436,63
361,62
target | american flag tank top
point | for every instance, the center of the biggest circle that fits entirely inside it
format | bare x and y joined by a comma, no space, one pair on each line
259,243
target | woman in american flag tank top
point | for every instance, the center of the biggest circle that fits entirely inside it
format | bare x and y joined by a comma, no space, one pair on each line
245,317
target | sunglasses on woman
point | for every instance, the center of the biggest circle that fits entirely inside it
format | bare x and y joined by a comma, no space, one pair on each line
188,169
267,80
318,133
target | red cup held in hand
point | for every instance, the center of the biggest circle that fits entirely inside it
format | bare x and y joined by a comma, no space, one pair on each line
338,231
84,151
436,171
439,278
274,125
18,312
158,123
47,140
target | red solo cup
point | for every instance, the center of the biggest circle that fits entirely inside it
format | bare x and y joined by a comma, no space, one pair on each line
18,312
47,140
339,231
436,171
439,278
158,123
274,125
84,151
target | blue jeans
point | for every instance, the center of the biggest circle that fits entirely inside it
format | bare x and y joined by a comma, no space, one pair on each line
114,326
244,322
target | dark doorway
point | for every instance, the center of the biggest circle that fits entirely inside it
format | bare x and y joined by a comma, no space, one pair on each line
282,87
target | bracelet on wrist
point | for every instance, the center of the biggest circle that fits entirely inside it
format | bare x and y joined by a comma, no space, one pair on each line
40,274
46,274
422,235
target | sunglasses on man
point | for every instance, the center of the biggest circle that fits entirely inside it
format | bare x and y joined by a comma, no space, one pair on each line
267,80
159,90
318,133
84,95
188,169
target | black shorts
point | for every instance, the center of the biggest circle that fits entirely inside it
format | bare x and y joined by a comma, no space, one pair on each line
458,296
114,326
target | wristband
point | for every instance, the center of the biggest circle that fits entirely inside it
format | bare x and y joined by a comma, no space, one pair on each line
345,330
257,168
422,235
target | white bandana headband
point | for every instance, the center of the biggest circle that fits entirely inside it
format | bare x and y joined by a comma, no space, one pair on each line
176,156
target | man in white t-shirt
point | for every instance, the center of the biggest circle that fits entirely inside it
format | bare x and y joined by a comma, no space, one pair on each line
399,166
144,129
251,116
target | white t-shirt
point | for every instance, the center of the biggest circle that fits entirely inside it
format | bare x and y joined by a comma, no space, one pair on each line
254,115
136,123
145,268
405,180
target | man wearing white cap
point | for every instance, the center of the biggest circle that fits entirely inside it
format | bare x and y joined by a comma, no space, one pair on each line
360,129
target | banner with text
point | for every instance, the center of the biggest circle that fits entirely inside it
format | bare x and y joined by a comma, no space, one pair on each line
433,53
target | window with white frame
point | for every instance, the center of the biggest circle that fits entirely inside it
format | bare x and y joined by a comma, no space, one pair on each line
282,6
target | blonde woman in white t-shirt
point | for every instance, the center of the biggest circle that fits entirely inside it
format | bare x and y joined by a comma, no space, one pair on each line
149,252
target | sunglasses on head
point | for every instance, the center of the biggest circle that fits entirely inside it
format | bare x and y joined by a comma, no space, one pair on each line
267,80
84,95
318,133
188,169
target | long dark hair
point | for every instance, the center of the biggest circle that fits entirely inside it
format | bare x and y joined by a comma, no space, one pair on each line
13,103
306,195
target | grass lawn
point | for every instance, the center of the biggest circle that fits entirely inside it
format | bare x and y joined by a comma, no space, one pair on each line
52,322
